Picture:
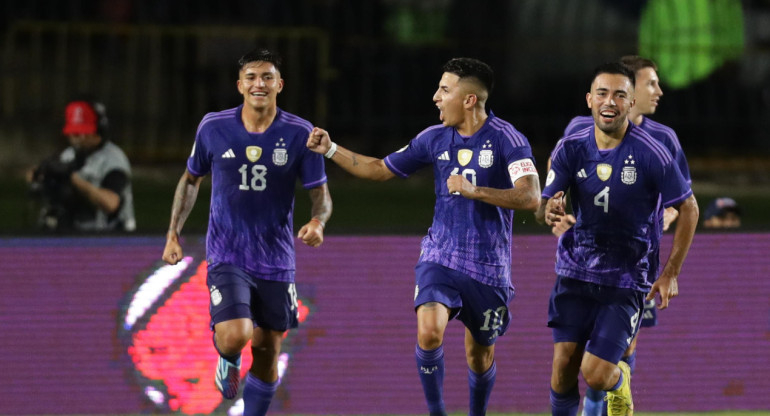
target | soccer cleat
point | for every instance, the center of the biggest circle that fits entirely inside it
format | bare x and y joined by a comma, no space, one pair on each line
228,377
619,402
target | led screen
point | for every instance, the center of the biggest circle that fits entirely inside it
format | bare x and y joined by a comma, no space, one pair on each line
100,325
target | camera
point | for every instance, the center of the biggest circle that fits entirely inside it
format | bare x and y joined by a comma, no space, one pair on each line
52,187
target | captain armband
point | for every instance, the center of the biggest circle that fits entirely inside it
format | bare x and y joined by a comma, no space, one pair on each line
522,167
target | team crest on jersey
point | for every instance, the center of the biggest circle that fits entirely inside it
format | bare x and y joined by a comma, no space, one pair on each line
253,153
603,171
464,156
280,157
628,175
485,158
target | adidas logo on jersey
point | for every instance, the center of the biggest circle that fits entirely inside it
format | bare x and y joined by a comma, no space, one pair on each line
582,174
229,154
444,156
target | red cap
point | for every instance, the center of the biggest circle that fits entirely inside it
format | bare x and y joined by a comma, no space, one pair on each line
79,118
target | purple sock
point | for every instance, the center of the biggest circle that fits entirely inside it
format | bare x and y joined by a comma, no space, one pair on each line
430,366
593,404
257,396
565,404
481,386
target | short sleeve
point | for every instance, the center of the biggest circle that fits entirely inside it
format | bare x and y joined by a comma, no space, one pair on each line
199,162
312,170
558,176
412,157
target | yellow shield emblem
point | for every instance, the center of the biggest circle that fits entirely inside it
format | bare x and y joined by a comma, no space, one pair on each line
464,156
603,171
253,153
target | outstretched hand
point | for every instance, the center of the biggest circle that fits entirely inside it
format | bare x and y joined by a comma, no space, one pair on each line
319,141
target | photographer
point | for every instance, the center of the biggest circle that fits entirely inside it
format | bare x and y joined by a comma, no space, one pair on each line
86,187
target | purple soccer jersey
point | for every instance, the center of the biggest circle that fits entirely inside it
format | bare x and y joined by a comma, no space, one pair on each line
252,194
658,131
472,237
615,197
664,135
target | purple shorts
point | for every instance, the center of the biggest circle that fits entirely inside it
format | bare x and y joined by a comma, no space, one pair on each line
483,309
650,315
603,318
234,293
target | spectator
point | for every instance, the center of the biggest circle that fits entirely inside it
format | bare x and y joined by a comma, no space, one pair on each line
722,213
86,187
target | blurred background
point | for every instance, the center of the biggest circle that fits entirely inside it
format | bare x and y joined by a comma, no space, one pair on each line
366,71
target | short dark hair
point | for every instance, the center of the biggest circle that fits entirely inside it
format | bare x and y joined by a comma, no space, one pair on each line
471,68
636,62
263,55
614,68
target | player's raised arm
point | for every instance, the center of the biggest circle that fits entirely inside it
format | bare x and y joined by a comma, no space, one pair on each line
358,165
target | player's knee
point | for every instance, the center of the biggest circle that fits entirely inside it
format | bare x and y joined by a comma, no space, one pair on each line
479,360
561,364
429,337
564,373
231,339
597,379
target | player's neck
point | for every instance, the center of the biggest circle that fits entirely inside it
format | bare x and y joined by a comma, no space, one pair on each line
257,120
607,141
473,122
637,119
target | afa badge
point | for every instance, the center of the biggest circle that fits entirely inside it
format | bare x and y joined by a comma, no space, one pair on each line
464,156
486,158
628,175
253,153
280,157
603,171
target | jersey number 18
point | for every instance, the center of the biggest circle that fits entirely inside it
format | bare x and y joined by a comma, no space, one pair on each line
258,180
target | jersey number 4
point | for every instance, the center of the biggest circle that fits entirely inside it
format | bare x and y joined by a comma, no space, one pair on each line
602,199
258,180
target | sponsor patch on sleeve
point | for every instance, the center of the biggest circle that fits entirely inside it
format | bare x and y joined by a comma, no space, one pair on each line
521,168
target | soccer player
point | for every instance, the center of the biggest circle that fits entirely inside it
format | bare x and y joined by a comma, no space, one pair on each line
647,94
616,174
255,153
483,169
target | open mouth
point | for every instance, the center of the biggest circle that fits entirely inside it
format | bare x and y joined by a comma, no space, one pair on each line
608,115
